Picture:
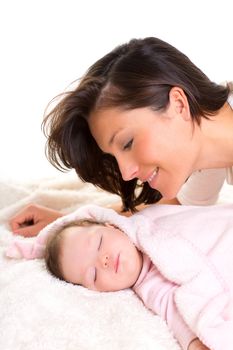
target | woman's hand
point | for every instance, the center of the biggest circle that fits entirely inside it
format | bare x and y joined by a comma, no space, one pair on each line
196,344
29,221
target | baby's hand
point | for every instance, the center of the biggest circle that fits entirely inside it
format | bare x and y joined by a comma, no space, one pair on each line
196,344
30,220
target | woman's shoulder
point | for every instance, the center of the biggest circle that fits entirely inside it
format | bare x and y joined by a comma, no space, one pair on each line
202,187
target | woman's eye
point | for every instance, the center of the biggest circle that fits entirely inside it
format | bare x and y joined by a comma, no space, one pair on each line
128,145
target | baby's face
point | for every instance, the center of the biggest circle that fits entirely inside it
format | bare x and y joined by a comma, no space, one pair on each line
100,258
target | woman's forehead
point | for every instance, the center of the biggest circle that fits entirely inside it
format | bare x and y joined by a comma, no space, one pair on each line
113,117
104,125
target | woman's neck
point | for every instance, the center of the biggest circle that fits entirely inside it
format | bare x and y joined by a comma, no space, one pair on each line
217,140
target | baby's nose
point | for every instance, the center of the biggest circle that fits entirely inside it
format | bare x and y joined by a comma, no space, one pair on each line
105,260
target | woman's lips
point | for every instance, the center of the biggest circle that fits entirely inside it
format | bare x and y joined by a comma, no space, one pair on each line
117,263
152,176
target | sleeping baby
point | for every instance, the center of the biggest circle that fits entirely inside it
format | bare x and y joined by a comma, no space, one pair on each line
177,259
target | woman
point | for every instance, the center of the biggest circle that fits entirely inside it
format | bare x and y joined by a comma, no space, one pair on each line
144,111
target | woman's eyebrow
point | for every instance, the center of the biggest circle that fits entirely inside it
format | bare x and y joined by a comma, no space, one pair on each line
110,142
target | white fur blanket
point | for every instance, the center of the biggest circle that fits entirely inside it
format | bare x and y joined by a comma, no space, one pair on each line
39,312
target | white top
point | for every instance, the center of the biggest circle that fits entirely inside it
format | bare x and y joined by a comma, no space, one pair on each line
203,186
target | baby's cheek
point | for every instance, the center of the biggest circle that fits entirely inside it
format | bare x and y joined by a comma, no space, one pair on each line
107,284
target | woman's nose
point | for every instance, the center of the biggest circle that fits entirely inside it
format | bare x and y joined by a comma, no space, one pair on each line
129,170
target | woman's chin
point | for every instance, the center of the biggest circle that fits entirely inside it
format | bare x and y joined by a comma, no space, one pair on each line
168,194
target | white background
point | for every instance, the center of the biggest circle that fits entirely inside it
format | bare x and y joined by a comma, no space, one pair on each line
47,44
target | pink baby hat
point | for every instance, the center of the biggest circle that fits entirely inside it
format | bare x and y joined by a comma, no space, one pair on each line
33,248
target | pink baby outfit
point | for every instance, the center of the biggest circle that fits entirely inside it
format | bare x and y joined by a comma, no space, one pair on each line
191,247
157,294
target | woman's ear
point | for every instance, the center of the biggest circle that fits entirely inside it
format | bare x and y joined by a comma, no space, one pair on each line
179,102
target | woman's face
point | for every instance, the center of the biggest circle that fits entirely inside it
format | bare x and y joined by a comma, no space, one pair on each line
161,148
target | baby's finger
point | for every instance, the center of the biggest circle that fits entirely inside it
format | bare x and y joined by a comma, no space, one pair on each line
27,231
21,220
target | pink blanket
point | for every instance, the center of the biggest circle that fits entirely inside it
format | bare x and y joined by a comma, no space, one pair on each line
191,246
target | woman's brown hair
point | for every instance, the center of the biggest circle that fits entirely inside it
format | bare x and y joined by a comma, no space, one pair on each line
137,74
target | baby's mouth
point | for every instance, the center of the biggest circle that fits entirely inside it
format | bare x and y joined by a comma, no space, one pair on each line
117,262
